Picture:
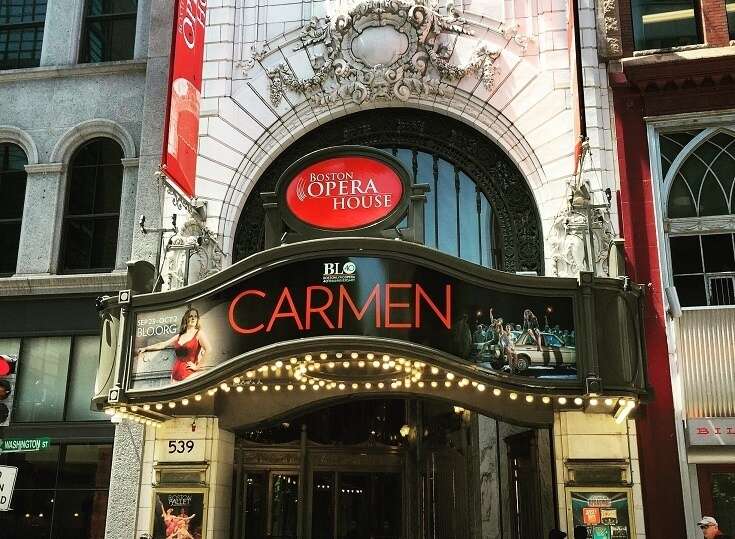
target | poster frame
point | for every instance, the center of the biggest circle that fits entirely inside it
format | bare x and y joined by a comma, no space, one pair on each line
179,489
568,490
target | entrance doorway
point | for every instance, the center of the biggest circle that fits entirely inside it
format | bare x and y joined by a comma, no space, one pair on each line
380,469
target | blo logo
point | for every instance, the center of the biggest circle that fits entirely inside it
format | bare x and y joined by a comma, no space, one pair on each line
334,272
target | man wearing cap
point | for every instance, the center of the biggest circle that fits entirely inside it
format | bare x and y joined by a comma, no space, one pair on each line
710,529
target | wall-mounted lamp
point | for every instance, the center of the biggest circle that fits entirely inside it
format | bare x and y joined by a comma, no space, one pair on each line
623,409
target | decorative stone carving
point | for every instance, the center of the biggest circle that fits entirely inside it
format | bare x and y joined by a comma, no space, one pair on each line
383,50
513,32
718,223
192,250
608,30
582,232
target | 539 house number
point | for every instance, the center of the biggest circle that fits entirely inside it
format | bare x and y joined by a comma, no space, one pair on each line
180,446
179,450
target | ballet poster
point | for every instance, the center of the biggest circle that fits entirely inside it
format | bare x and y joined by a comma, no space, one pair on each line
178,514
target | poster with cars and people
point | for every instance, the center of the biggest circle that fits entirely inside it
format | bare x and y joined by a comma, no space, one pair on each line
605,512
524,334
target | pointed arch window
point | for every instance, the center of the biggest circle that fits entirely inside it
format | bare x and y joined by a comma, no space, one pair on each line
700,212
92,209
12,192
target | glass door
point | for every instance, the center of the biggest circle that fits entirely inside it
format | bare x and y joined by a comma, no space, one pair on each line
357,505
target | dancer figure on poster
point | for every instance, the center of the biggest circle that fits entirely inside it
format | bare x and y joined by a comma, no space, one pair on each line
508,349
530,324
182,527
190,346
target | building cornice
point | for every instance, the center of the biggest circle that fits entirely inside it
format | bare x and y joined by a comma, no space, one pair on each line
46,284
74,70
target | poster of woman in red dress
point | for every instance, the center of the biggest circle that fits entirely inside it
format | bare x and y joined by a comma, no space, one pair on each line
190,346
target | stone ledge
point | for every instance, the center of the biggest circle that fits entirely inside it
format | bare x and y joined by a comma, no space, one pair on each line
74,70
38,284
44,168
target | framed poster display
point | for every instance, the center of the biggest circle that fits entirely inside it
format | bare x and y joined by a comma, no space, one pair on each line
179,513
606,512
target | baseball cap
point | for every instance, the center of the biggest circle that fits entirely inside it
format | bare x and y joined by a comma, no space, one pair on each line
707,521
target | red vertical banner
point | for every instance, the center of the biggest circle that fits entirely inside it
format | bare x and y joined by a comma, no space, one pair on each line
181,135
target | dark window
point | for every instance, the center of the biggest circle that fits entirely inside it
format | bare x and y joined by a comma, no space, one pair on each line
704,269
21,33
458,217
89,236
56,379
12,193
730,6
702,265
109,31
661,24
60,492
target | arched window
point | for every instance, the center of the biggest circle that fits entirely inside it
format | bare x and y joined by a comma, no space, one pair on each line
92,209
458,217
12,193
480,207
701,199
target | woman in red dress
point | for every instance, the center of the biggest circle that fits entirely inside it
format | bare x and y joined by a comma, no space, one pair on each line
190,346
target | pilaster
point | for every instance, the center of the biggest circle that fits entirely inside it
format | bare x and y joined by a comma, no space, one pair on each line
586,441
127,212
61,32
43,203
125,481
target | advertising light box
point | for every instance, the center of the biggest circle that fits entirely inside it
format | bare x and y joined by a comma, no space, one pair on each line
487,324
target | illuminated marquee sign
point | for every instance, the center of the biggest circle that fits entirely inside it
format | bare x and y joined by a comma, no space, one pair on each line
344,188
383,297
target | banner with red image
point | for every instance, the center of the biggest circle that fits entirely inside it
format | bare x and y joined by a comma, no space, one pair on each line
181,133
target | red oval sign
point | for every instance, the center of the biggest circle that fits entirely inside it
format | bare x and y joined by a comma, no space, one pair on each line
342,193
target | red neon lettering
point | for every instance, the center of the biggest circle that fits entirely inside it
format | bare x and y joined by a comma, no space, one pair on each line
445,318
702,430
391,305
717,430
231,311
318,310
291,313
344,296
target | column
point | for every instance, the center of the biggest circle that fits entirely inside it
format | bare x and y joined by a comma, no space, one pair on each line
585,443
211,461
148,196
61,32
37,252
127,222
124,481
142,28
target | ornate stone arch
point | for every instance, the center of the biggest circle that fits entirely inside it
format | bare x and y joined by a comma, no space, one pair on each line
90,129
17,136
494,172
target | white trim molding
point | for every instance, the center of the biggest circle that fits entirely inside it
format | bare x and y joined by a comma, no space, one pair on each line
88,130
15,135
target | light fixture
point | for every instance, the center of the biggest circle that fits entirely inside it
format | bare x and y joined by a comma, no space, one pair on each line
578,401
405,431
623,411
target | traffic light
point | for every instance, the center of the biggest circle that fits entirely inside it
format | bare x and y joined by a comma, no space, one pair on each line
8,365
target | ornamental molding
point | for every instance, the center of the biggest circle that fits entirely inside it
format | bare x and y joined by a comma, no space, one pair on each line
713,224
381,50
